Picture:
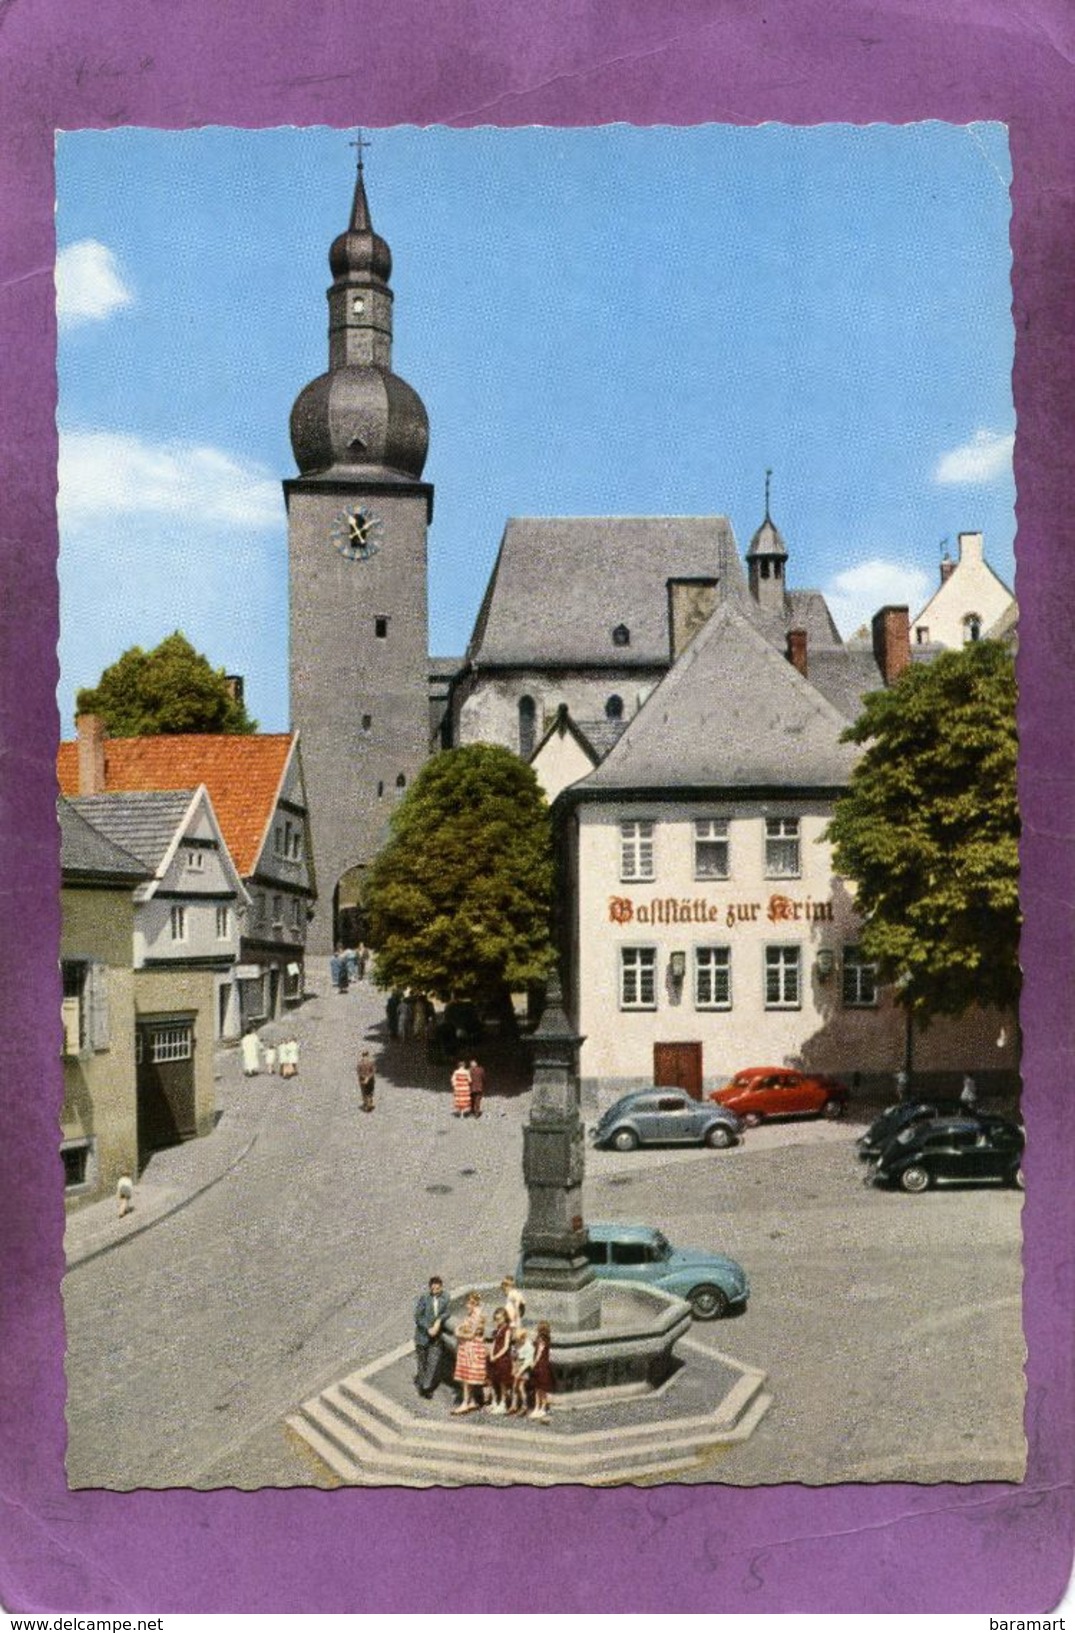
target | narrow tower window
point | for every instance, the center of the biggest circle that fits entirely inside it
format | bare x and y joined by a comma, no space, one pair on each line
527,726
614,707
380,628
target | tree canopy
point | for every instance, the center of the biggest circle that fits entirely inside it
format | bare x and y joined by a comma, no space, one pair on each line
929,832
171,689
459,899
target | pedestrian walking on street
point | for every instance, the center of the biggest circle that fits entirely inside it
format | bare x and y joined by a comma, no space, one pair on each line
461,1091
367,1079
289,1057
968,1099
344,969
251,1051
903,1086
541,1374
125,1195
270,1059
430,1325
391,1010
362,959
335,966
477,1087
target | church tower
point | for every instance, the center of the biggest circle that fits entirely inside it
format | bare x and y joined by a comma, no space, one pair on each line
357,518
767,561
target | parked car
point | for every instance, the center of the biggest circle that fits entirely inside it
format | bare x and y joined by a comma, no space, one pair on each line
660,1116
760,1092
711,1283
893,1119
952,1151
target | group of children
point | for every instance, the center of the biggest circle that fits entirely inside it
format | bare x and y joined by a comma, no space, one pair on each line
511,1372
255,1053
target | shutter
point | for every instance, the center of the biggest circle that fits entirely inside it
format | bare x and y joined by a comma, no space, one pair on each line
69,1014
97,994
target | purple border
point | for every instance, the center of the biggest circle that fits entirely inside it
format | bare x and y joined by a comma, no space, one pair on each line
177,63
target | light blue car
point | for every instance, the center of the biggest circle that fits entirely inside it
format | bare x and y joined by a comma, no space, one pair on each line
711,1283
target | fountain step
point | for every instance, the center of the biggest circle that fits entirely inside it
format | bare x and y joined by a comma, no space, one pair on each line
367,1432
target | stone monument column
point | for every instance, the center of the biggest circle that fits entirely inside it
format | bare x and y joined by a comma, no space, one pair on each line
554,1160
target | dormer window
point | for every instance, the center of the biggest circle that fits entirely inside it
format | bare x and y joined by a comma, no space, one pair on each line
621,635
195,861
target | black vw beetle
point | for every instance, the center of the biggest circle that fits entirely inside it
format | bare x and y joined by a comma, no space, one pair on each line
952,1151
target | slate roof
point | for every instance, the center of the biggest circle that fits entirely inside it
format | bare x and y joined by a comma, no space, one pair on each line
87,854
731,713
142,824
243,776
617,568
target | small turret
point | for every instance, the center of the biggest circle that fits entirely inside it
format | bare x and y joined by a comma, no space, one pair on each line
766,561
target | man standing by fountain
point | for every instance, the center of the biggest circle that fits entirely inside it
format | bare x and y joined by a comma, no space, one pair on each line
430,1311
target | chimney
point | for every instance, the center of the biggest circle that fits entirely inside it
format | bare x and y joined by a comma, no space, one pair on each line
91,753
948,567
691,602
892,642
234,683
797,650
971,547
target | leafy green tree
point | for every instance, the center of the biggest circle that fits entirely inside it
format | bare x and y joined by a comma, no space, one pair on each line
459,899
171,689
929,832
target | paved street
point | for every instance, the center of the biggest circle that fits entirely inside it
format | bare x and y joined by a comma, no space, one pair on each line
889,1325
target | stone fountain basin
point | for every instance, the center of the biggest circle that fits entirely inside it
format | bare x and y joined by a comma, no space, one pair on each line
629,1347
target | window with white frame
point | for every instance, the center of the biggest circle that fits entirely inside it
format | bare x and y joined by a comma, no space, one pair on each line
713,978
169,1043
195,859
859,980
638,978
711,848
636,850
223,923
782,850
287,840
782,977
179,922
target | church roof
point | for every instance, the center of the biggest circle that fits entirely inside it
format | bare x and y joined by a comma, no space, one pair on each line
244,776
732,713
617,568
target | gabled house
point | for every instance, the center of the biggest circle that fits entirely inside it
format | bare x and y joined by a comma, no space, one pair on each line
705,928
99,1121
189,912
259,799
971,603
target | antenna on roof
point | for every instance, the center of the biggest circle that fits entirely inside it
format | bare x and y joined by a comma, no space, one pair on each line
768,479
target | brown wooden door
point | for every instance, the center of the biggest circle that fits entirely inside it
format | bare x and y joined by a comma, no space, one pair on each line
678,1066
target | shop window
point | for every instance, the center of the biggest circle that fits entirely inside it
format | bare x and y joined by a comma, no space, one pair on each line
782,849
713,977
859,980
636,850
638,978
782,977
711,848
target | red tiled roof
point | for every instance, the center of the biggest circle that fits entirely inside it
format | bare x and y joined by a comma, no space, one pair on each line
243,776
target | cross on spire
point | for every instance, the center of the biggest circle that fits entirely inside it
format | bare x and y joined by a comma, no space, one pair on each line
768,479
360,142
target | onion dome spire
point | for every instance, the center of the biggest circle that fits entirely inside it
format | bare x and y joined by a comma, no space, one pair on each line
359,414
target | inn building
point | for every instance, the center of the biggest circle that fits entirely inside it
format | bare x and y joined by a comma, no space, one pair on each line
705,928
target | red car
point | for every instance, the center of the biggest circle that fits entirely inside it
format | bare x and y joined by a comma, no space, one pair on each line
779,1091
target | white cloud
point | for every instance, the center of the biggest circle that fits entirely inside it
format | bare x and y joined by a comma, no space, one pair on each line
108,474
985,458
858,592
89,287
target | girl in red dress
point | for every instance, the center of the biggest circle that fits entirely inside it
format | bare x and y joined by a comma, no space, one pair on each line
541,1376
500,1361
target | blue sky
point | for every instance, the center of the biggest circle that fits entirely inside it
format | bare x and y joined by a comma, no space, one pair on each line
600,321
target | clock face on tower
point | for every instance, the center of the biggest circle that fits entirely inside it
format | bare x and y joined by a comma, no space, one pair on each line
355,533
